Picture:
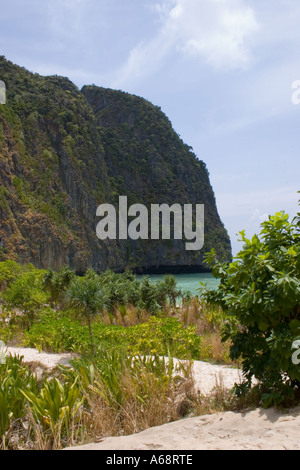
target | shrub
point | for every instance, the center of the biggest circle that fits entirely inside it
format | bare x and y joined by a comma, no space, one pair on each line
158,336
164,337
25,294
10,270
125,289
56,283
260,290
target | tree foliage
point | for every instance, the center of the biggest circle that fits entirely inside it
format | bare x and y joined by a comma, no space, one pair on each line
56,283
24,296
88,298
260,290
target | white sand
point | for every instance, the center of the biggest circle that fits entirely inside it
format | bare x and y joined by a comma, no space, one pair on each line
206,375
50,361
255,430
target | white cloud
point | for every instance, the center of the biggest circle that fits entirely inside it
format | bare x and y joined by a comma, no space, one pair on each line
67,18
213,31
257,216
257,203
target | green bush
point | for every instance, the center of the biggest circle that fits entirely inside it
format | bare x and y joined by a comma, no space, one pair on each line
9,271
158,336
57,334
56,283
26,294
116,289
260,290
125,289
163,337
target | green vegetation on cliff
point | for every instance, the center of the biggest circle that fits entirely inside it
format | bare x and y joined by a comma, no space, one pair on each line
64,151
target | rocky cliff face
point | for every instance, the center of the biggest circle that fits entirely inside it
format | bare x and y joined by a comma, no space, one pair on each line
63,152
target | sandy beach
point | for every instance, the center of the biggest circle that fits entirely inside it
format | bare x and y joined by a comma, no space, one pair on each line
206,375
49,361
254,430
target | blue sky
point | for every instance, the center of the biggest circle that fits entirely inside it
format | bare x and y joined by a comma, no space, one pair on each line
222,71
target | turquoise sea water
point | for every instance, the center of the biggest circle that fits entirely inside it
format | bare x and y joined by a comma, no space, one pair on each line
190,282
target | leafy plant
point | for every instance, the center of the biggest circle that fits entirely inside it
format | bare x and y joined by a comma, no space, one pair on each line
55,407
14,377
260,290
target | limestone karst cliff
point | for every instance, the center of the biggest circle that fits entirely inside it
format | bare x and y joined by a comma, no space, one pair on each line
64,151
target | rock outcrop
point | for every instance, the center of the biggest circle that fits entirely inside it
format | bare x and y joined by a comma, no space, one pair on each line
65,151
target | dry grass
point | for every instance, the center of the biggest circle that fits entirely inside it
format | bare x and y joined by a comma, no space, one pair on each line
38,438
208,321
217,401
206,318
147,401
214,350
126,316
